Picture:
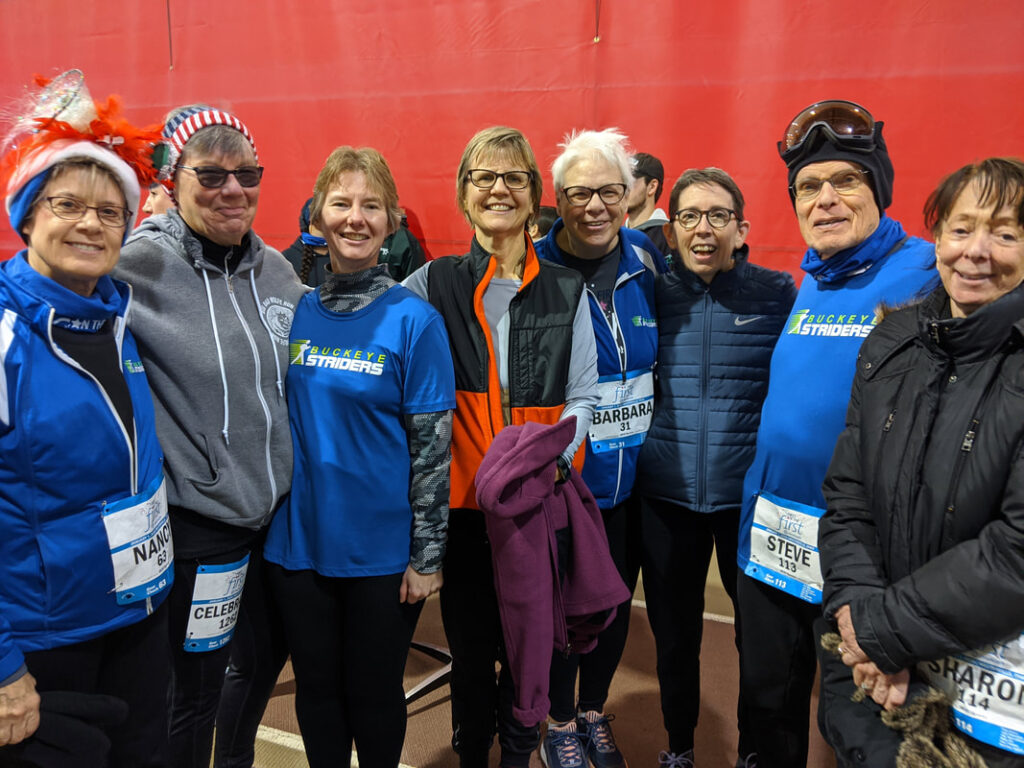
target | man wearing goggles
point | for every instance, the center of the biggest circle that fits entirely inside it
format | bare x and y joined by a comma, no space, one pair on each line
840,181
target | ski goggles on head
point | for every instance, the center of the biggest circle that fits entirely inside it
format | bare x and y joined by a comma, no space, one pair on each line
847,124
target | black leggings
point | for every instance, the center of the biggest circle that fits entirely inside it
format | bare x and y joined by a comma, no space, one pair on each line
132,664
482,702
596,669
677,546
349,639
198,680
258,653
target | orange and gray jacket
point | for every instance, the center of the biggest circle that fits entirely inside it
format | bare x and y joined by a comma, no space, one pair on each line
542,366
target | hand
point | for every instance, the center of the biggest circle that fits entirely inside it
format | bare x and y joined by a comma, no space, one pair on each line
19,710
850,648
866,674
416,585
562,470
890,691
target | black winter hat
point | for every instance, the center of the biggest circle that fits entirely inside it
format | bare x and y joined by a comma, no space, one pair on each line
821,146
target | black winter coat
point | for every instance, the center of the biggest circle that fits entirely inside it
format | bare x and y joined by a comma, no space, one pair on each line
924,532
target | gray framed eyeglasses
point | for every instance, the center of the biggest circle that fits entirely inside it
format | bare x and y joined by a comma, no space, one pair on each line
71,209
844,183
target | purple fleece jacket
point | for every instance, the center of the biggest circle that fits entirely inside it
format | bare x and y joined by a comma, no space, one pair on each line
542,610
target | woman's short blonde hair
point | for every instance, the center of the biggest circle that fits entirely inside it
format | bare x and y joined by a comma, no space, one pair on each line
371,164
507,144
94,172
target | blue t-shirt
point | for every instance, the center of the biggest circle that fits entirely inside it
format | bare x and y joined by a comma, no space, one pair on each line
352,377
809,385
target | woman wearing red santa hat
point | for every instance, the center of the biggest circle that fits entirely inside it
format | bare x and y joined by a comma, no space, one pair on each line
85,548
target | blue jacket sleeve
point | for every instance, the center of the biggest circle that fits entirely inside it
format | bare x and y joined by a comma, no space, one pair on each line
11,658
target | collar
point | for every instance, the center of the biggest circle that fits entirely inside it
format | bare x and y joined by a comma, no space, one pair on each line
221,255
372,280
978,336
723,281
629,261
858,259
482,261
86,314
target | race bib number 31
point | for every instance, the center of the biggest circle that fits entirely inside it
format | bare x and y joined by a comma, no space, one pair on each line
624,414
139,536
784,547
215,601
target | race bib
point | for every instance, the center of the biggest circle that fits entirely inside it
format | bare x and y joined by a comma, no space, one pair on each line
139,536
784,547
987,688
215,601
623,415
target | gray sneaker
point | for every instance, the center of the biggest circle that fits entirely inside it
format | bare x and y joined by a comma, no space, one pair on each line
672,760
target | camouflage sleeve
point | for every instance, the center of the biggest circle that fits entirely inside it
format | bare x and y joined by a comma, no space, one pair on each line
430,437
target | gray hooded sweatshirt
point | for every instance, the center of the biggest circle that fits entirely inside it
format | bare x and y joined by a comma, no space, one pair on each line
215,350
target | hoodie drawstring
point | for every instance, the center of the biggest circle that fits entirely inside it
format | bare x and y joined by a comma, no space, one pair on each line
270,335
220,356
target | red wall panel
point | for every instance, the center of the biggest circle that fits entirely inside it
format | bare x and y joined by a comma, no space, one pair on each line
694,83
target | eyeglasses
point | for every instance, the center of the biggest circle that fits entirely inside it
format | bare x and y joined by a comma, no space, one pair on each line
848,123
845,183
70,209
610,194
484,179
689,218
212,177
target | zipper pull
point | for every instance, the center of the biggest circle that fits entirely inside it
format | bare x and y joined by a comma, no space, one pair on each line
888,421
968,442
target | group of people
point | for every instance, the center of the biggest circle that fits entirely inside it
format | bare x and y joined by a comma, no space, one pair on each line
209,466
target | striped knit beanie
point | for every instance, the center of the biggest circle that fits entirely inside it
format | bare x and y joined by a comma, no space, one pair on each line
184,124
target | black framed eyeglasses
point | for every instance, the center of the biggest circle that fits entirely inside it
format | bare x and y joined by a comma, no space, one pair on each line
213,177
71,209
610,194
481,178
845,183
689,218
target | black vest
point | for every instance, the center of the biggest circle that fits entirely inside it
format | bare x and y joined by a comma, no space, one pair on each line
540,327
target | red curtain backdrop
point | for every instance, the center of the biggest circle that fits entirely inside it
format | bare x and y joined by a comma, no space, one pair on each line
695,83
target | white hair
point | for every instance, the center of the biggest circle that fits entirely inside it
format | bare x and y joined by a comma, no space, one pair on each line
608,144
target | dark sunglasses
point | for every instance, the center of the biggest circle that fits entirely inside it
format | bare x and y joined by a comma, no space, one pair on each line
212,177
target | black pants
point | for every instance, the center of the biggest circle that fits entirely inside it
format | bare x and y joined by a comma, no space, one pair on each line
258,654
777,666
198,681
131,664
349,640
469,610
677,547
596,669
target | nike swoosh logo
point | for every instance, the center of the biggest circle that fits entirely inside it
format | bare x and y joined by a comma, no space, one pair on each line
746,320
